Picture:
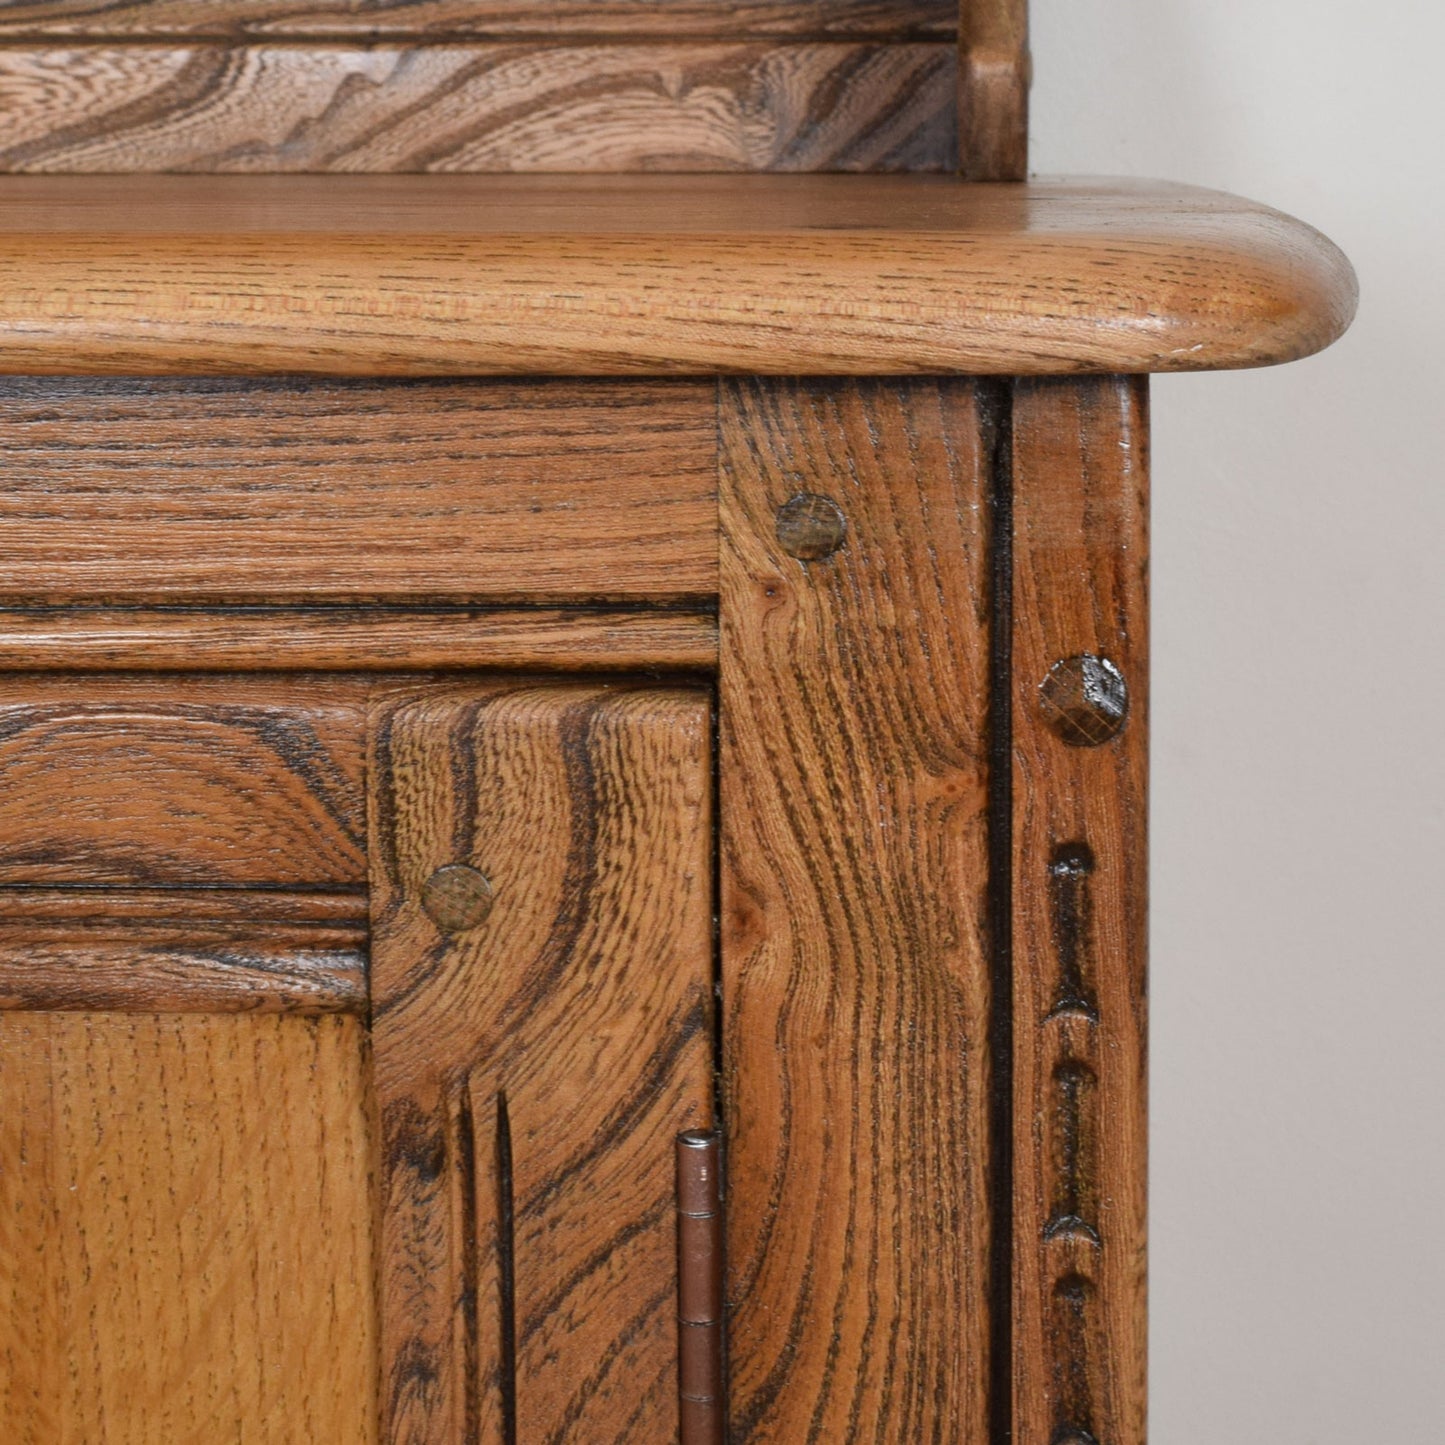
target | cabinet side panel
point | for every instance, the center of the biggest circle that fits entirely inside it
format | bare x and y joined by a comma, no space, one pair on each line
186,1248
1080,711
539,1043
854,691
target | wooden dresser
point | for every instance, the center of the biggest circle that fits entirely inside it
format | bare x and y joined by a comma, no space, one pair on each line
573,700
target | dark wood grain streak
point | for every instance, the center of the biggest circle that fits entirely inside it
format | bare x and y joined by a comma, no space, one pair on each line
810,106
280,489
183,950
1079,869
854,873
146,781
360,639
475,19
571,1026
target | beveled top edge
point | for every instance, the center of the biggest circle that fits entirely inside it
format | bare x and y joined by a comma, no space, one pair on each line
416,275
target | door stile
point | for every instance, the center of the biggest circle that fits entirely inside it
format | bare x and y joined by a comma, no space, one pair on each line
541,945
854,683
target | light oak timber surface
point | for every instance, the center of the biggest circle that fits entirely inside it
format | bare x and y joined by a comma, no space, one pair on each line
185,1230
1080,567
182,780
459,107
609,275
534,1067
190,490
183,950
359,639
569,19
854,872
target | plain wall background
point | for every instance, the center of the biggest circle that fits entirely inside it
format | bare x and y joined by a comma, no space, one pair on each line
1298,984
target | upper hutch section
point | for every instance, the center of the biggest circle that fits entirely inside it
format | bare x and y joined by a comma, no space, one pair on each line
512,85
387,266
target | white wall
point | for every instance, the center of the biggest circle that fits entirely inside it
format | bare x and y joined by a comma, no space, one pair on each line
1298,1235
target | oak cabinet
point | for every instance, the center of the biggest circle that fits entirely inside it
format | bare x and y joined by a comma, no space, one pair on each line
573,746
361,981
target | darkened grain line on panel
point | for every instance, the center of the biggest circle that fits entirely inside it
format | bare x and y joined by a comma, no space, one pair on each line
465,1165
506,1273
996,420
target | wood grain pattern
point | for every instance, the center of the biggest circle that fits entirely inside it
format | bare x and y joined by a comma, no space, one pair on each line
476,19
221,491
207,781
855,977
459,107
361,639
448,275
994,73
533,1071
183,950
185,1231
1079,942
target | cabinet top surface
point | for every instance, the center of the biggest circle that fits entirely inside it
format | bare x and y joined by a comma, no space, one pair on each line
609,275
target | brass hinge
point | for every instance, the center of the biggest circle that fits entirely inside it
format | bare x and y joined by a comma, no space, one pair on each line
702,1413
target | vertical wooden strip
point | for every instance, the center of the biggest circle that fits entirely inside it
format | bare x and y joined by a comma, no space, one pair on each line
994,71
540,1038
854,874
186,1246
1080,663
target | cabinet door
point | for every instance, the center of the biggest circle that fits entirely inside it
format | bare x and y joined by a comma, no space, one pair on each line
350,1022
541,984
248,1192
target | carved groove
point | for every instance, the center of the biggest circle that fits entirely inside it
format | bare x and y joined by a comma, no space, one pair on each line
465,1152
506,1274
1069,872
996,424
1076,1142
1074,1304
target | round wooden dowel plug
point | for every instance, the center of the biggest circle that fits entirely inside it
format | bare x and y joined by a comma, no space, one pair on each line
457,897
810,527
1085,700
